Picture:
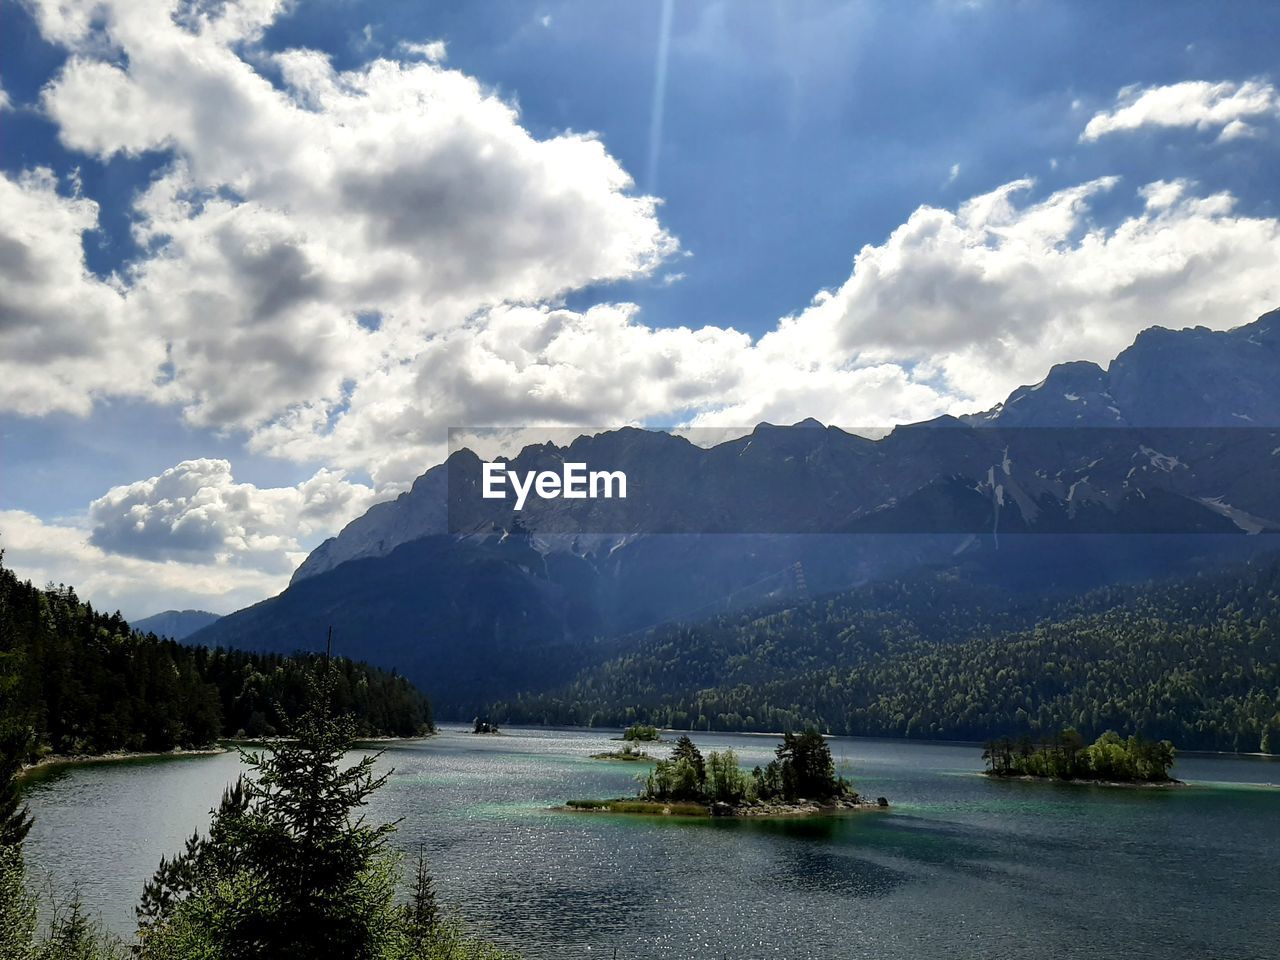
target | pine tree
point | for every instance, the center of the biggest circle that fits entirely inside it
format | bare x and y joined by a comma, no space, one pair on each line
290,870
15,818
422,912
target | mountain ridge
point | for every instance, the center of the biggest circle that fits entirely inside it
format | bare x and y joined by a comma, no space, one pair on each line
496,606
175,624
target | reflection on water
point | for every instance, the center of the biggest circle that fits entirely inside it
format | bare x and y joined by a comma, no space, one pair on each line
959,867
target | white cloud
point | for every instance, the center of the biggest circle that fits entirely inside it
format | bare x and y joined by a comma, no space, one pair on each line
399,189
982,299
949,314
65,336
1225,107
44,551
1162,194
436,51
195,511
190,537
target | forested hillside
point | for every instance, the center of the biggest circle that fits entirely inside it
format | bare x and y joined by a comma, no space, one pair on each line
1196,661
83,682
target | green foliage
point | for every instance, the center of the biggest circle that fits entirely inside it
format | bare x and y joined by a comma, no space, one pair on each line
422,920
1195,661
726,783
641,732
15,818
1065,757
288,872
666,808
682,777
291,869
628,754
17,907
806,770
803,770
73,935
76,681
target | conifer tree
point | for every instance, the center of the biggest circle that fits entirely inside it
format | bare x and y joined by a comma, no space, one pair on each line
422,912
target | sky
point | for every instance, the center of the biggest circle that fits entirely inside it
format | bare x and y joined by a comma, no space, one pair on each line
258,257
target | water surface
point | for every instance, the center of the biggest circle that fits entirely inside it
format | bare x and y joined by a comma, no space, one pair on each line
959,867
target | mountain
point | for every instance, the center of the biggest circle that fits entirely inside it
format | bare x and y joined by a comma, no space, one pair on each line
1185,378
942,656
175,624
1088,478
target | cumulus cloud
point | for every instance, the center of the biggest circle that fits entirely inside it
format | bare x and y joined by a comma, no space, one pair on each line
62,552
191,537
289,212
197,512
65,336
981,299
950,313
344,264
1226,107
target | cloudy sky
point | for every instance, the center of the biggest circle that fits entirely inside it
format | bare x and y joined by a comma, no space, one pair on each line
256,257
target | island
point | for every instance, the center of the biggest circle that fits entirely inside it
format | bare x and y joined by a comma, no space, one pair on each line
628,754
1111,760
484,726
801,780
641,733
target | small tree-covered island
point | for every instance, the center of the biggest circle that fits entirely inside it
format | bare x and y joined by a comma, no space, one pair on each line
801,780
1111,759
628,754
641,733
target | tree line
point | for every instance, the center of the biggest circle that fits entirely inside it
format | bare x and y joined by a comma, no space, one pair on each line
1066,757
80,681
1193,660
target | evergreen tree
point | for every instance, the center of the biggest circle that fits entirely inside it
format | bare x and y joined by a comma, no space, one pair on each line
687,751
17,907
808,770
422,912
290,869
15,818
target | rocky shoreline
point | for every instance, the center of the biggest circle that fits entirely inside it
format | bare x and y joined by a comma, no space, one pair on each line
1086,782
118,756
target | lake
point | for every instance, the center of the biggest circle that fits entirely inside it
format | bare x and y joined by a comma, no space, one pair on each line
959,867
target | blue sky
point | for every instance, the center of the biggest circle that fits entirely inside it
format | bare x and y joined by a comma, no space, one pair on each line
420,256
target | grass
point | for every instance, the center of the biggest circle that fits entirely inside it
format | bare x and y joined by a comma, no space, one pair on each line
653,808
626,754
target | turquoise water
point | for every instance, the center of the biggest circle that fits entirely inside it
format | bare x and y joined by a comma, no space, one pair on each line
959,867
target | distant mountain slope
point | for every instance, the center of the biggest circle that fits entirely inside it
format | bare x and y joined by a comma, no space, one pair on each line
483,616
1195,660
175,624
